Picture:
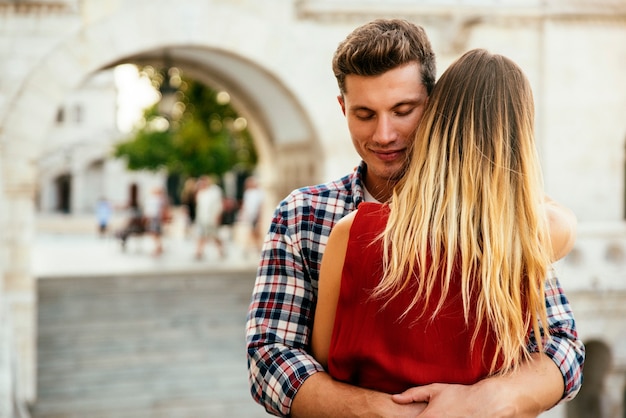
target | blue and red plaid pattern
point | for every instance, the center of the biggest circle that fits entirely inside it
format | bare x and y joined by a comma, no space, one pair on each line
281,312
564,347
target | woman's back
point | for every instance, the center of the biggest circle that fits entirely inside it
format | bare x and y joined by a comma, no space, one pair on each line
372,347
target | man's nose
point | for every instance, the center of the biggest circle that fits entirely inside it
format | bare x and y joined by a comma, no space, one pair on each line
385,131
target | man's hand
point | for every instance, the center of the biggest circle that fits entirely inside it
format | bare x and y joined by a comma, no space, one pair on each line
320,396
534,388
446,400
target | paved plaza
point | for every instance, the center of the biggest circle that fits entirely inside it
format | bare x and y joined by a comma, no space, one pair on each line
151,336
70,245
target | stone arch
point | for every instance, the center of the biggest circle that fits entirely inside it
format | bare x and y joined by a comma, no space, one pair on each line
591,400
238,54
216,56
279,124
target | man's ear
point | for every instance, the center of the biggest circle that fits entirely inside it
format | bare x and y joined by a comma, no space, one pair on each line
342,104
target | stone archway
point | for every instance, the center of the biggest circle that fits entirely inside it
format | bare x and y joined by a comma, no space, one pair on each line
281,129
225,54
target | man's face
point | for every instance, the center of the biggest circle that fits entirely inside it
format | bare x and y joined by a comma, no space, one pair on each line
382,114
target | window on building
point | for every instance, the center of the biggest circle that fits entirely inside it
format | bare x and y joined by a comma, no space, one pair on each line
60,115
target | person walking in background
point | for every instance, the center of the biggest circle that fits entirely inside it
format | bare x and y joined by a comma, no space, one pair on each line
249,214
156,210
230,206
103,215
385,70
445,282
209,210
188,200
136,223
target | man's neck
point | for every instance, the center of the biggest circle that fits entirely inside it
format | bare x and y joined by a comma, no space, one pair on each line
378,188
378,193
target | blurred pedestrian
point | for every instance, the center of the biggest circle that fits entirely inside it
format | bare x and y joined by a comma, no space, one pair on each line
188,200
230,207
250,212
209,210
156,210
103,214
136,224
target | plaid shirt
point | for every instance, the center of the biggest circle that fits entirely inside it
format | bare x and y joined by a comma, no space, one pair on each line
281,313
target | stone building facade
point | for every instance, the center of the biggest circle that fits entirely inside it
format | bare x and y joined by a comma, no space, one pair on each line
274,59
75,168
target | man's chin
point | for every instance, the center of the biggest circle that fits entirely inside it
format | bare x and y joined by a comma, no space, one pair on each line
393,176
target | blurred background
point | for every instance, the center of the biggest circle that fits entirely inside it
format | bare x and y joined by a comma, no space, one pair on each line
106,105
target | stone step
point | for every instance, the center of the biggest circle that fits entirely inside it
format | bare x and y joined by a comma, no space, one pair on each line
146,407
144,346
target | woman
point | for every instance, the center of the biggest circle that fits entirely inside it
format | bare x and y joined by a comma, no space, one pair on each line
445,283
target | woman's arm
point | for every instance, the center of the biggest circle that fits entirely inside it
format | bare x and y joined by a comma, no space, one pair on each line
329,286
562,223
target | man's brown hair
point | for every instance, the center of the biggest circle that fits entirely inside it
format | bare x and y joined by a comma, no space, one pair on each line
382,45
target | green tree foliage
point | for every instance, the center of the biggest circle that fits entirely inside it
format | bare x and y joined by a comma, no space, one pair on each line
204,135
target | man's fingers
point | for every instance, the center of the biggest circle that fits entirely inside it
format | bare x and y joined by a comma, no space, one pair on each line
416,394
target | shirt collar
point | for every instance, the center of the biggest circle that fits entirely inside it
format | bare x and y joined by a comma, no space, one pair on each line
358,190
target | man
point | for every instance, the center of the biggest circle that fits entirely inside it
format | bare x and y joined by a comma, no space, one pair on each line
385,71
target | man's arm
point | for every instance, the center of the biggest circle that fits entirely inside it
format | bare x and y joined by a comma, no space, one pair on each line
536,386
277,328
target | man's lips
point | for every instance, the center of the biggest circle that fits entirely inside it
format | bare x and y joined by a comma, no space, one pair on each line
388,155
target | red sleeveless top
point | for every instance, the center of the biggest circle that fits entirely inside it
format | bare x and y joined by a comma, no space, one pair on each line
372,348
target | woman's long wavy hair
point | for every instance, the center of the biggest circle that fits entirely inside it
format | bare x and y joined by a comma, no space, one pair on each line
468,206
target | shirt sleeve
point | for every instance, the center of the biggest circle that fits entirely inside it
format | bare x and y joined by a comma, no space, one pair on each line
564,347
280,315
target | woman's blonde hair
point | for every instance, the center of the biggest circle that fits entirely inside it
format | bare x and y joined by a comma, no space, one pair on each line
469,206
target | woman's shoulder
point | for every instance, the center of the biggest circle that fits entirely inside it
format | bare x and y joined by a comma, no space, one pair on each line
368,214
344,224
